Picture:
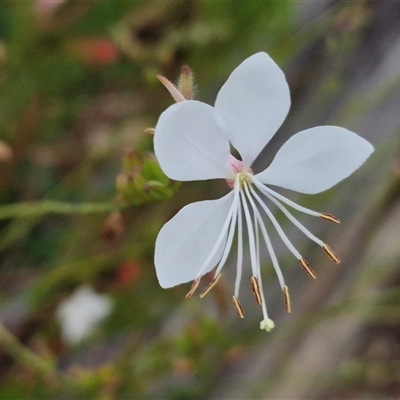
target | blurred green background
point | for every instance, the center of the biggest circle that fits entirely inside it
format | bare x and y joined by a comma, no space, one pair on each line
77,91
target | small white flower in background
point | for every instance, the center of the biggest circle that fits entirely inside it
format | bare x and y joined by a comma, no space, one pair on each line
81,313
192,142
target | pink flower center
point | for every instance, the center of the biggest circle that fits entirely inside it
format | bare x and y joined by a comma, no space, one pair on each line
237,168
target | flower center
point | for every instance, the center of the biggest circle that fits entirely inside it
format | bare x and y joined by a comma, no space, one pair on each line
244,177
237,168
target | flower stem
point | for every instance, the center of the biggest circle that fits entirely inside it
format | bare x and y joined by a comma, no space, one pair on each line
34,209
24,356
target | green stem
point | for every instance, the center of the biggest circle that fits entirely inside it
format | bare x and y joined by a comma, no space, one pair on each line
24,356
35,209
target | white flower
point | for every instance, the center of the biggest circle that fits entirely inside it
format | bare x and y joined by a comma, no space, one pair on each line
192,142
81,313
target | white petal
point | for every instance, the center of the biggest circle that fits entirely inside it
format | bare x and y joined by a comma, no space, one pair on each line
185,241
254,102
190,142
316,159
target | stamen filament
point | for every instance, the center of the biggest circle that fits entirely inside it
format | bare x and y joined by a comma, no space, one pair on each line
229,240
210,286
255,222
295,221
238,307
266,189
239,260
250,230
307,268
331,254
268,243
224,229
266,238
282,235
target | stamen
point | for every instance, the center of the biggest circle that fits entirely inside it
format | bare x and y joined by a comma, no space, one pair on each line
330,217
265,190
331,254
238,307
267,243
286,297
295,221
270,250
229,240
239,260
224,230
290,203
307,268
250,230
210,286
257,236
193,288
282,234
256,290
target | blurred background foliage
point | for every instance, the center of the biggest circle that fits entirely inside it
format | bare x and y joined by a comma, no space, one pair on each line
82,200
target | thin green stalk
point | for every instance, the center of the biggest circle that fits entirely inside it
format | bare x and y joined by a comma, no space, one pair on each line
44,207
24,356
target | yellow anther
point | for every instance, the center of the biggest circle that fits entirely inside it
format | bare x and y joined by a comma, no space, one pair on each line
330,217
210,286
238,307
256,289
331,254
286,297
307,268
193,288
